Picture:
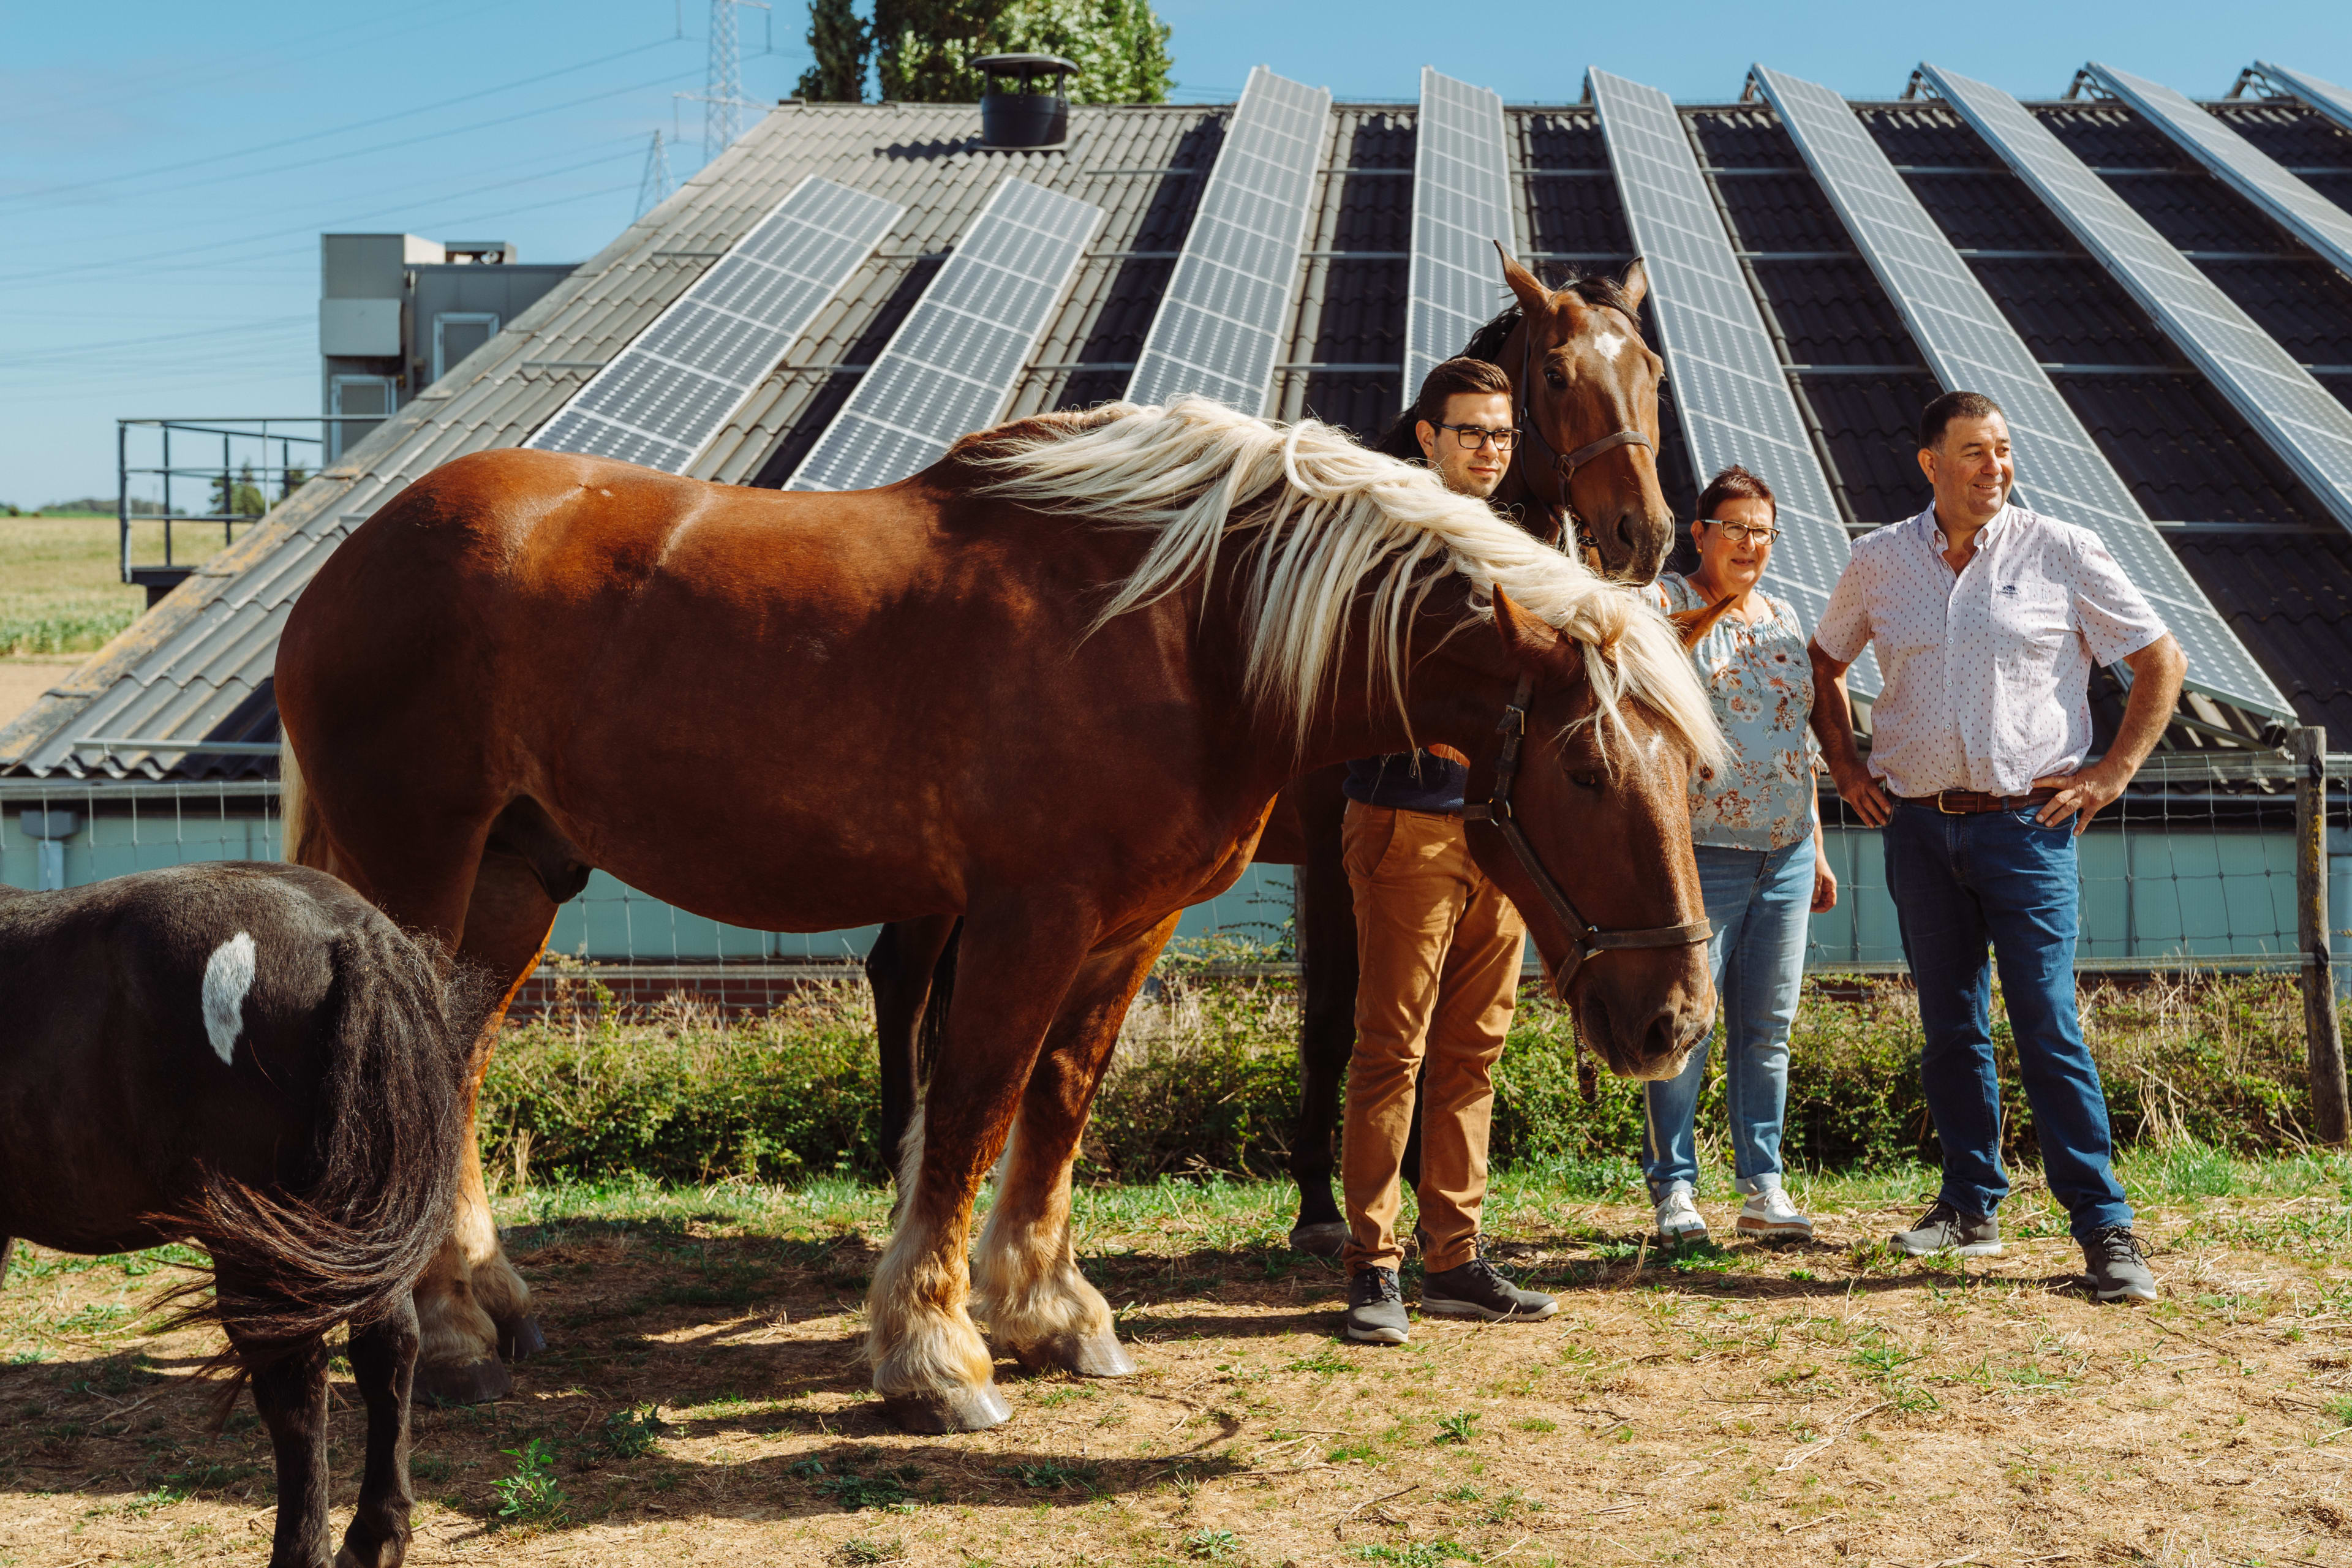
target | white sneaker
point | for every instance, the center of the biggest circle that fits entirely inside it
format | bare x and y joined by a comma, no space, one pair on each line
1678,1217
1770,1213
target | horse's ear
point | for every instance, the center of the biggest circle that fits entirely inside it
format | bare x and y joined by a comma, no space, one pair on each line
1694,624
1532,646
1635,282
1535,300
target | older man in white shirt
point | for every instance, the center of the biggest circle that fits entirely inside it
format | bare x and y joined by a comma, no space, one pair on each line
1987,618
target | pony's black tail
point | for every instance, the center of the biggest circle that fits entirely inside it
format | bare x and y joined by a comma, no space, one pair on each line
388,1123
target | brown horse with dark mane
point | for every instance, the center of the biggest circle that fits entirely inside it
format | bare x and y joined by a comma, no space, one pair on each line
1053,684
1585,387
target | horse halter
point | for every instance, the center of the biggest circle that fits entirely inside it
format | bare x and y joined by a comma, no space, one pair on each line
1590,939
1563,467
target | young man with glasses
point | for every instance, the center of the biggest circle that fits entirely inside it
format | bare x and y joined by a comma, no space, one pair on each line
1439,948
1987,618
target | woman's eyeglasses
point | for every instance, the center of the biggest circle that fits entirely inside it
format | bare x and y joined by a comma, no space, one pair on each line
1741,532
1473,437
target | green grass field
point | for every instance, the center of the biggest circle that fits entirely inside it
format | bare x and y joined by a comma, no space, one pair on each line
60,583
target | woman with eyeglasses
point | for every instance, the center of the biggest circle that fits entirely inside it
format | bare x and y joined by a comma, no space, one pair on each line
1756,827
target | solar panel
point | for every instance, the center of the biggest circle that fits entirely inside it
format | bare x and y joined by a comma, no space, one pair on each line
662,398
2304,424
1461,211
1220,328
951,366
1729,389
1971,344
2333,102
2238,163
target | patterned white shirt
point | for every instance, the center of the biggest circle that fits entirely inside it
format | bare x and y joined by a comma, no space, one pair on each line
1987,670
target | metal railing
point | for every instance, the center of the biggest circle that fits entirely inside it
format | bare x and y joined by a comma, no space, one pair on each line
223,471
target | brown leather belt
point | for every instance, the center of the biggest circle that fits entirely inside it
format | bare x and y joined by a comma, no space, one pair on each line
1971,803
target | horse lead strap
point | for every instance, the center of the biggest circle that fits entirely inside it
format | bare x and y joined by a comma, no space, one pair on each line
1590,939
1563,468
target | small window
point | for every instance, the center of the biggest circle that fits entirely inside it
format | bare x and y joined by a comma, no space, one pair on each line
455,334
372,397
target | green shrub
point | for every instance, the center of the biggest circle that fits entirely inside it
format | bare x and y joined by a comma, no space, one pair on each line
1207,1078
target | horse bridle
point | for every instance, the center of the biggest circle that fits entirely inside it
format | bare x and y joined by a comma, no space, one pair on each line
1563,467
1590,939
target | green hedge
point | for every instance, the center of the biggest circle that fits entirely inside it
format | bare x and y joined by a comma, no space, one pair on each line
1204,1081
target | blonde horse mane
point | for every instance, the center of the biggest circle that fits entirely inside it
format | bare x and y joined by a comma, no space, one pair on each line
1327,517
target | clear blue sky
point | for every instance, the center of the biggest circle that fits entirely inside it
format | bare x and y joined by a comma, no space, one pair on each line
168,168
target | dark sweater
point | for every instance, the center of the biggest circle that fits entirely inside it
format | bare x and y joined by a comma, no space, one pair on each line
1408,781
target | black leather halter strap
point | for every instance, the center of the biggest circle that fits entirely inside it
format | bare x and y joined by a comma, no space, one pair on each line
1590,939
1563,466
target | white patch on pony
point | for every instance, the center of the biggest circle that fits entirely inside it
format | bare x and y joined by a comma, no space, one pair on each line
1611,344
228,975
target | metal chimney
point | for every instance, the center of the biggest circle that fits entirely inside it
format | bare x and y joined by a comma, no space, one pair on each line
1024,100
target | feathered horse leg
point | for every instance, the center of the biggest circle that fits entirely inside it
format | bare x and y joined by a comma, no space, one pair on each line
931,1365
1026,1281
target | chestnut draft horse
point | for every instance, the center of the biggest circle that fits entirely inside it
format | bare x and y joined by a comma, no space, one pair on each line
1585,387
1052,683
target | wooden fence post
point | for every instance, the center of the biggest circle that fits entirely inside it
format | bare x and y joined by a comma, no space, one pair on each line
2322,1041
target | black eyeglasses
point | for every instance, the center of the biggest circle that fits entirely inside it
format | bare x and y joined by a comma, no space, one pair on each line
1473,437
1741,532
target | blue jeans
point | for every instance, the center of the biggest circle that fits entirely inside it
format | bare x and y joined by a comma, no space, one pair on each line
1999,876
1759,903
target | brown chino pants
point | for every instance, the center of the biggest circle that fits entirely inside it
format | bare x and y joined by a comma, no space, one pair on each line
1439,948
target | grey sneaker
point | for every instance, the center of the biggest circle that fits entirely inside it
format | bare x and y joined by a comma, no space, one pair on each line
1477,1290
1376,1308
2114,1259
1944,1228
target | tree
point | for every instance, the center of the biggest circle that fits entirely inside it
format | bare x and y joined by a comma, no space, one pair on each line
242,499
922,48
1120,47
842,44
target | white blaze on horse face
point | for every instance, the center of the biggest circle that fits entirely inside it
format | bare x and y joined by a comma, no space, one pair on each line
228,975
1609,344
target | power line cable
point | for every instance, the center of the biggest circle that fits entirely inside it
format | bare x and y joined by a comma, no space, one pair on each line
182,252
81,185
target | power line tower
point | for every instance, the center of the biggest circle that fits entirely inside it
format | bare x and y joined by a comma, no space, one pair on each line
722,94
653,189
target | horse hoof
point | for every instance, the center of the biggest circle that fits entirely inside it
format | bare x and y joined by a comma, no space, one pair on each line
960,1410
473,1383
1322,1240
523,1341
1087,1355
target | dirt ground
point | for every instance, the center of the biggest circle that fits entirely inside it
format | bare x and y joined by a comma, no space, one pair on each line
701,1404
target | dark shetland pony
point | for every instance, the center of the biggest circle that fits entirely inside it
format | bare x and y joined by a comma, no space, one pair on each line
1581,377
253,1058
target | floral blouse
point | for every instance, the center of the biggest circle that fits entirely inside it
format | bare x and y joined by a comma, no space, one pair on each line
1761,682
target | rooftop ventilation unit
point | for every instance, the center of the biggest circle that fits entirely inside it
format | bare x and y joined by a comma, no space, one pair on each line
1024,100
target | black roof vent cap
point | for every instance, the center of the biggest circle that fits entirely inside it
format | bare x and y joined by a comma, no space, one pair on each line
1018,110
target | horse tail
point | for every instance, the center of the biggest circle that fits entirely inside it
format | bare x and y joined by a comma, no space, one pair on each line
298,839
388,1118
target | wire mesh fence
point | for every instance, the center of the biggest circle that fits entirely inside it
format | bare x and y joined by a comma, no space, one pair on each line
2194,869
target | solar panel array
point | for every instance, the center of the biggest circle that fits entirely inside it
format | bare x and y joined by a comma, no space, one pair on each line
1729,388
2333,102
2304,424
660,399
949,367
1461,211
2239,163
1971,344
1220,327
